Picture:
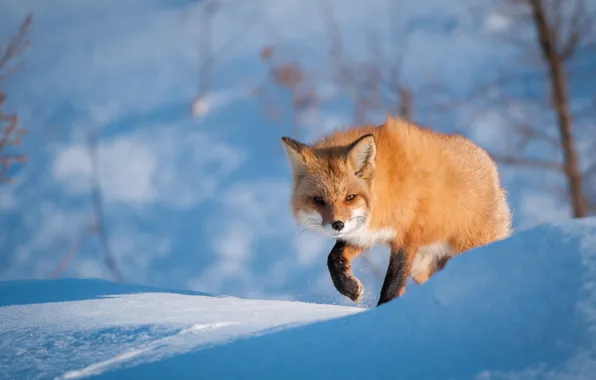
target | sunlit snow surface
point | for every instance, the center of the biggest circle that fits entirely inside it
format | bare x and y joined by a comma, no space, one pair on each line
524,308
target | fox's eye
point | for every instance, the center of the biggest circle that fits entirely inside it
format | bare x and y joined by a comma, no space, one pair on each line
319,200
350,197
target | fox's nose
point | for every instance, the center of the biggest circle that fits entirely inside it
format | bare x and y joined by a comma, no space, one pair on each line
338,225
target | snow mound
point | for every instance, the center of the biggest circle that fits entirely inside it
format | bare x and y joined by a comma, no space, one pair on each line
523,308
87,327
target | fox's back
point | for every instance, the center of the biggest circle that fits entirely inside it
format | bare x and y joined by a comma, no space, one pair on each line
480,197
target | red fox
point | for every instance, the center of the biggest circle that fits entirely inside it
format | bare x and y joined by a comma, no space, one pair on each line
427,195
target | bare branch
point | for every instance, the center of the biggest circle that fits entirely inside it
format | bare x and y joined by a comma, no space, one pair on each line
291,77
97,200
70,255
205,46
577,29
335,49
560,28
18,44
493,90
557,14
527,162
558,80
10,131
205,52
209,55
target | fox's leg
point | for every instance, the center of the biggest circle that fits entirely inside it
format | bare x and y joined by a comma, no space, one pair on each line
441,262
400,261
340,269
426,266
423,267
394,285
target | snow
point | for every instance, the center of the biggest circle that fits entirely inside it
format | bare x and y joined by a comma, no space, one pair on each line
119,325
523,308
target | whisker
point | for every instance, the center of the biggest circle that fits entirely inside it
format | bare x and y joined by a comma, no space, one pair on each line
311,226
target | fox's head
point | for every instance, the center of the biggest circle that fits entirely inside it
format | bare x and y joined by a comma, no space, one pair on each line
332,186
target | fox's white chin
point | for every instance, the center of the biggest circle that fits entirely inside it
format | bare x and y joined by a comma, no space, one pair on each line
314,222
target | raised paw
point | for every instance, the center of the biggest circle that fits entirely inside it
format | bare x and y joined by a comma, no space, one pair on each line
343,279
347,284
350,287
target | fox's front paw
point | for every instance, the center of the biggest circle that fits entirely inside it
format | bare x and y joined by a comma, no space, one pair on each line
346,283
350,287
341,274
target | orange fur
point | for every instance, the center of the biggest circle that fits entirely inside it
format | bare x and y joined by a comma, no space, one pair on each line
422,191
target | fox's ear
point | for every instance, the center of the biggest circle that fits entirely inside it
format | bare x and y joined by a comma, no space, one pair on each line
295,151
362,153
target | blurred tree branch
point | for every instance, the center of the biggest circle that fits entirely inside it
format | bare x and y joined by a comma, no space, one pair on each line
559,31
75,246
205,53
97,200
370,83
208,55
367,81
554,58
295,81
10,131
525,161
552,33
97,226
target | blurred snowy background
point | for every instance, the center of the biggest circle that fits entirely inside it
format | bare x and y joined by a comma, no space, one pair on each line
153,126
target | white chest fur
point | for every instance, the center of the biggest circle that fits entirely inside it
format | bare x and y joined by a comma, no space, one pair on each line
365,237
